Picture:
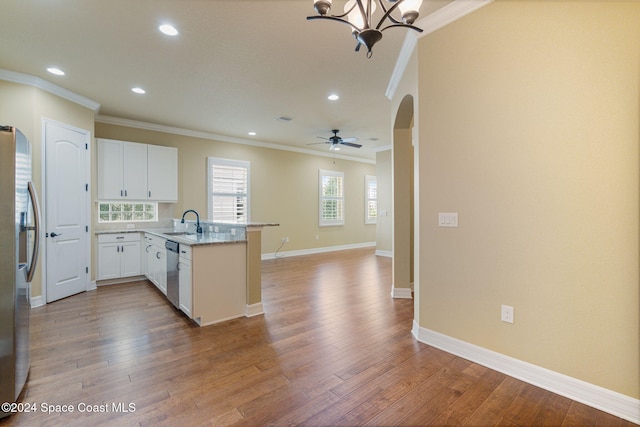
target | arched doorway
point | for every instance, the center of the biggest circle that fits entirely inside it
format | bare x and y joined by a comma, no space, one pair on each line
403,200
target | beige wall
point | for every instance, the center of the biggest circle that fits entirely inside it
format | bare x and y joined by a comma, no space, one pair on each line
24,107
385,202
529,129
284,187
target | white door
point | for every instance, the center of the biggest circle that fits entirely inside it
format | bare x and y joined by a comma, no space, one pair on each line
66,210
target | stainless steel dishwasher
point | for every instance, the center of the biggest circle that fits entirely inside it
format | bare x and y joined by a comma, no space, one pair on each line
173,281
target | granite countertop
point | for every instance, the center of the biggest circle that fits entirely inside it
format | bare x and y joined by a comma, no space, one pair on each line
190,239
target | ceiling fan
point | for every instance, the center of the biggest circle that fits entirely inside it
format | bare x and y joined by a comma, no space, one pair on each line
336,141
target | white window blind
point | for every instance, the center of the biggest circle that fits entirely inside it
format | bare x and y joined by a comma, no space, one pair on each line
331,190
228,190
371,199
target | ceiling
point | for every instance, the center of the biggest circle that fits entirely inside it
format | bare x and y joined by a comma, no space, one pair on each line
235,67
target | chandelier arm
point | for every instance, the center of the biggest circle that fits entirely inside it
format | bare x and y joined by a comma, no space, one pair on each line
366,14
333,18
412,27
387,14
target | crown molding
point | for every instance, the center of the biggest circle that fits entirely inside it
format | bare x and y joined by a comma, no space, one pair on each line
223,138
430,23
382,148
25,79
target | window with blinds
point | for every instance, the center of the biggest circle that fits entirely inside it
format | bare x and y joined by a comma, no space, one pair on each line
228,193
331,190
371,199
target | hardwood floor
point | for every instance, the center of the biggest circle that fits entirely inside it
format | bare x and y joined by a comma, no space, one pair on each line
332,349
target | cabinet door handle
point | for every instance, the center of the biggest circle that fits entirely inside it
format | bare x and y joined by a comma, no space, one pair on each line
121,193
121,248
147,249
117,248
125,193
149,193
158,255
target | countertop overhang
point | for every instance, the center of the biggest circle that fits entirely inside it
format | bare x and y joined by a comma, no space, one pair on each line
191,239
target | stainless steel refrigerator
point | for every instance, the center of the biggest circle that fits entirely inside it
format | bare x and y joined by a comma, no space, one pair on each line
19,245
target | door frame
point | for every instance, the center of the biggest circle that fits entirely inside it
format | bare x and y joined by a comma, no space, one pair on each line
44,205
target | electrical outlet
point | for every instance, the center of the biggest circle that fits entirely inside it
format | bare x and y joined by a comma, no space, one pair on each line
286,240
507,314
317,237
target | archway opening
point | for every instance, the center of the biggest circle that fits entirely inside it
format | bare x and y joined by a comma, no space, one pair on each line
403,200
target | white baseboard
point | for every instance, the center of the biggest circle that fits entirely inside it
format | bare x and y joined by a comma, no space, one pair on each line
251,310
403,293
116,281
92,286
592,395
37,301
387,254
312,251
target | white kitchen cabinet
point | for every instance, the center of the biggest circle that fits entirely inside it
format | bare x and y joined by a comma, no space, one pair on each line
162,173
156,261
137,172
184,270
118,256
122,170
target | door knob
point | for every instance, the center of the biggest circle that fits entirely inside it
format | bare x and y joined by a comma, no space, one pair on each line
54,234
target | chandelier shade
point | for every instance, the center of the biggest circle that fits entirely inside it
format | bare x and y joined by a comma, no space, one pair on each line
359,15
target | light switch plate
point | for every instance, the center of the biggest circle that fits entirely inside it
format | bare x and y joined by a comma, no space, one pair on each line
506,314
448,219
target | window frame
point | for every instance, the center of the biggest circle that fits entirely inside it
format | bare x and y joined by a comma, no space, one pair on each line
368,219
340,198
217,161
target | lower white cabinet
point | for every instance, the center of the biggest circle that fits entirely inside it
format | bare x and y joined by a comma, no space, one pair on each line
184,274
118,256
155,255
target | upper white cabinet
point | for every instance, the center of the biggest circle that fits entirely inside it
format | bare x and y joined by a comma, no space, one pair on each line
132,171
162,173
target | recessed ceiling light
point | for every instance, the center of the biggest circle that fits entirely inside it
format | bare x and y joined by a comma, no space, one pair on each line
138,90
56,71
252,133
168,29
333,97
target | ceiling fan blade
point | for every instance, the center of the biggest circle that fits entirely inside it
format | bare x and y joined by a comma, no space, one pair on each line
323,138
349,144
351,139
316,143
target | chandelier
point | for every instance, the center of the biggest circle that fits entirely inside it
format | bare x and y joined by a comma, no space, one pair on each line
358,14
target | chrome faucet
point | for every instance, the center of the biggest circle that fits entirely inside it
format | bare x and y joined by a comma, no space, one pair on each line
198,228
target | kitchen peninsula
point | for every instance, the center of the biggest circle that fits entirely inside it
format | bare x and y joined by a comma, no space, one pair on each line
218,270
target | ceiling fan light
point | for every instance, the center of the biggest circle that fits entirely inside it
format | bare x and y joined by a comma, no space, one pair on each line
322,6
